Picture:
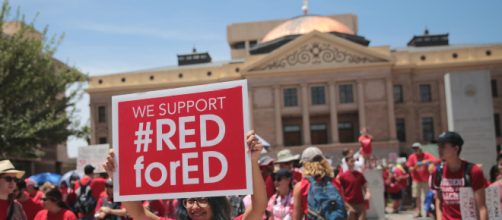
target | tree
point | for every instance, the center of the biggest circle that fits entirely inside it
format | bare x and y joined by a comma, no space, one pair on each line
33,102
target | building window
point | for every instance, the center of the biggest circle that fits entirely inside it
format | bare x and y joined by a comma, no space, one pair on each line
346,132
401,129
428,129
398,94
319,133
103,140
495,92
318,95
346,93
239,45
425,93
252,43
290,97
101,114
292,135
496,119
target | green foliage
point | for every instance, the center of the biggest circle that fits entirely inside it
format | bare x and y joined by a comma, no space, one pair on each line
32,91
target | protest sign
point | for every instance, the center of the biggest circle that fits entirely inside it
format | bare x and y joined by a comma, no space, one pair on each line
467,204
94,155
492,195
183,142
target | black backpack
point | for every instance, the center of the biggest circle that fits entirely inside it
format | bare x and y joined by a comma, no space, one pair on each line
436,181
86,203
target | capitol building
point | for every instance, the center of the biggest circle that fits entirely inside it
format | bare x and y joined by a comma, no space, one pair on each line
314,81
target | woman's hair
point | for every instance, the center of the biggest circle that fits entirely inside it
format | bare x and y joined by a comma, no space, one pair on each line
318,168
218,205
55,195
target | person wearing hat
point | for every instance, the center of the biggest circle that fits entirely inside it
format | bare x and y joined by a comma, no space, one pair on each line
267,169
317,171
280,205
9,208
285,160
33,190
453,174
55,208
418,164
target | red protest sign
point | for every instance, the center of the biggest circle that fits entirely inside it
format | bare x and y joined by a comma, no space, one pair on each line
183,142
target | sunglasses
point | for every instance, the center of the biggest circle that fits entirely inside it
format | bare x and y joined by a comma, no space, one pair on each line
9,179
201,202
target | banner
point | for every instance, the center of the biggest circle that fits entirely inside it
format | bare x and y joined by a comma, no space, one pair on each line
467,204
94,155
492,197
183,142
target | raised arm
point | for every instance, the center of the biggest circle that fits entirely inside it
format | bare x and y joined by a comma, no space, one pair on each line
259,197
134,209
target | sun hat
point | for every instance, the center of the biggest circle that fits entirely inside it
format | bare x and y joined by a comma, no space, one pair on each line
312,154
285,155
7,167
416,145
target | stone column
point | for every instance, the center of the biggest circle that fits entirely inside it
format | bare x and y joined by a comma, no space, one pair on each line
360,105
305,115
442,107
278,116
390,110
333,113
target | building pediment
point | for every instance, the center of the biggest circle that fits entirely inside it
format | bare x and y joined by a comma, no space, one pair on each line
318,50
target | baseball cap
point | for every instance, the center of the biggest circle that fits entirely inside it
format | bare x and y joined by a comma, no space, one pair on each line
450,137
282,173
265,160
416,145
312,153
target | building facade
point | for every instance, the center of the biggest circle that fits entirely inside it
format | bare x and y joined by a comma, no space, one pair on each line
313,81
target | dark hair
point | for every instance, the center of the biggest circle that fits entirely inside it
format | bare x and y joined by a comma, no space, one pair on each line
453,138
55,195
88,169
219,206
345,152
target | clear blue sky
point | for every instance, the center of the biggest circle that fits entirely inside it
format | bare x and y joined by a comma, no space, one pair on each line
113,36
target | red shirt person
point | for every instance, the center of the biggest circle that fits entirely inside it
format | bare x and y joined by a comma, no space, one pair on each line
8,177
419,163
286,160
452,178
55,208
354,190
366,140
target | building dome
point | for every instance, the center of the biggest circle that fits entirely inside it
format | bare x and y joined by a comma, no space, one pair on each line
307,24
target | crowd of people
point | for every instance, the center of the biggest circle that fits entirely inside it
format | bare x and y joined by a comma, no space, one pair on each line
292,186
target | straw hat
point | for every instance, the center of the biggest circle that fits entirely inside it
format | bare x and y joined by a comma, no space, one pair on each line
286,156
7,167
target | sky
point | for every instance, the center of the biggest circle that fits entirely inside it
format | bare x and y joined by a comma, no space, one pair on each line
102,37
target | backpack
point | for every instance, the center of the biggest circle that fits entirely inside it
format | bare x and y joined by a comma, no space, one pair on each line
324,201
86,203
439,176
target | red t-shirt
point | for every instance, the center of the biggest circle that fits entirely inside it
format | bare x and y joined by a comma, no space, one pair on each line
240,217
352,183
63,214
85,179
30,207
4,205
304,192
269,184
366,148
421,173
38,197
157,207
97,187
450,185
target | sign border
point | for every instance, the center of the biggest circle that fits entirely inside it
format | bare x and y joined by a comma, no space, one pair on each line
172,92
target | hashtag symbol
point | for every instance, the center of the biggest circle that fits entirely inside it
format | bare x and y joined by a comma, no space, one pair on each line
143,137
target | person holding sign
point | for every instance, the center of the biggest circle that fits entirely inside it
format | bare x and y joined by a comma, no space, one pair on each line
208,208
454,174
